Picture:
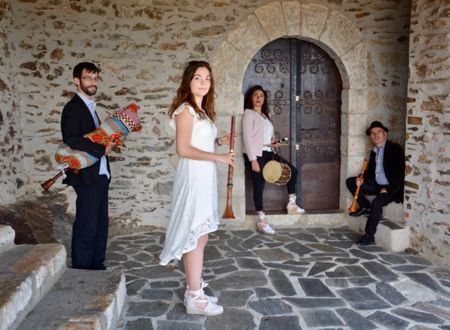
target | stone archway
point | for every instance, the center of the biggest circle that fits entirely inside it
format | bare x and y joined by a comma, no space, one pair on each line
326,28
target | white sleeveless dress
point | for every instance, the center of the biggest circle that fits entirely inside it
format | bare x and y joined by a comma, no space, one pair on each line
194,196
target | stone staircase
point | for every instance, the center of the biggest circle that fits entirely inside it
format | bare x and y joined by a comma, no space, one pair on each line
37,291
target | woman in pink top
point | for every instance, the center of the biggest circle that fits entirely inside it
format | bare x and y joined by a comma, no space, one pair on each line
258,132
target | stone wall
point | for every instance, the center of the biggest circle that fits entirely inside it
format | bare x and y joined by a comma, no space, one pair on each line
142,46
11,154
428,129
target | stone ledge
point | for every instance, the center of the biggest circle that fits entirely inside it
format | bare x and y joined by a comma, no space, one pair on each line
81,299
280,221
7,235
27,272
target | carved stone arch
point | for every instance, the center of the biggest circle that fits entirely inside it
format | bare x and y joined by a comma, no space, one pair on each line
328,29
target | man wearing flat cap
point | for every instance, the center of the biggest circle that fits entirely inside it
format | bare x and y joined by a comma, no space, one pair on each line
384,178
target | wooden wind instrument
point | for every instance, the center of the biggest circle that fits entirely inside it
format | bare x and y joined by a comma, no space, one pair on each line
353,207
47,184
62,168
228,213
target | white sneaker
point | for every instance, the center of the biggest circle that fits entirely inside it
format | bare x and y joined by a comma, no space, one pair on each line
203,284
197,303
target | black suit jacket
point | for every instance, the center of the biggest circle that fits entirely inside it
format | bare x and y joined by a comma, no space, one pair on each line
394,168
76,121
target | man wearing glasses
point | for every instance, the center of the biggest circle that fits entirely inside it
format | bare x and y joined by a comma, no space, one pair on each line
91,184
384,178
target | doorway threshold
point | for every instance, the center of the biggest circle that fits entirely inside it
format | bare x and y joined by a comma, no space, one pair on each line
308,219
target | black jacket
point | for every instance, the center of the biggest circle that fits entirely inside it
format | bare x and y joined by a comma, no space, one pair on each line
394,168
76,121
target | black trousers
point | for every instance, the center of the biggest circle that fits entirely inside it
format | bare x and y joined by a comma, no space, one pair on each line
90,229
371,187
258,180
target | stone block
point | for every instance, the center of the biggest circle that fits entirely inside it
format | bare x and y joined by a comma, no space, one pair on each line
392,236
356,62
340,34
356,224
29,272
355,100
81,299
271,18
313,18
248,37
357,145
291,11
7,235
357,123
228,74
394,212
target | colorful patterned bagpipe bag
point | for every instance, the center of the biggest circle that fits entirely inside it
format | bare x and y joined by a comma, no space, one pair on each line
114,129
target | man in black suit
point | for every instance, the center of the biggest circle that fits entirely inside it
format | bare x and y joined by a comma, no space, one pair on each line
384,178
91,184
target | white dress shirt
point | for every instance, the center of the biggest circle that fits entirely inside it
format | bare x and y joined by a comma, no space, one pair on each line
91,106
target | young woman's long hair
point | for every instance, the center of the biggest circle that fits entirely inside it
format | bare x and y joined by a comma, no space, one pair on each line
184,93
248,100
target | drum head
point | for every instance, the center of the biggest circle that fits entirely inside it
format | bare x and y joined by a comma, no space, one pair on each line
272,171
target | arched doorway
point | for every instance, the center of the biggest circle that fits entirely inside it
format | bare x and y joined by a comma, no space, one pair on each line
304,88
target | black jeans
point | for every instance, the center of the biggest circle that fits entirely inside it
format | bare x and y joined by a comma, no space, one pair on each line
258,180
371,187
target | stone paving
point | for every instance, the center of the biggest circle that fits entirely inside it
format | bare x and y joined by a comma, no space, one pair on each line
309,278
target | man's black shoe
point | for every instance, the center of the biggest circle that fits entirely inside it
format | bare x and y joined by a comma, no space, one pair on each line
366,240
361,211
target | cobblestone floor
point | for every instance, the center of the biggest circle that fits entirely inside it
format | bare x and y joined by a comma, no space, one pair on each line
310,278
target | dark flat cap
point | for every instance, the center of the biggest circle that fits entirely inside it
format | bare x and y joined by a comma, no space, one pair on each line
374,124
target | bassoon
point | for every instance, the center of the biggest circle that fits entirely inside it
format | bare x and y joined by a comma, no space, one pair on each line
353,207
228,213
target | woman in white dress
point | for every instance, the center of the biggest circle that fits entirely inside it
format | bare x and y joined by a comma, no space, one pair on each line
258,135
194,198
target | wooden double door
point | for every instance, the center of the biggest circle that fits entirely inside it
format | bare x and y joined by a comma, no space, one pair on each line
304,95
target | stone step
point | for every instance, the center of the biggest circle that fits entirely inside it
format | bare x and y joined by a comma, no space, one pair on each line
27,272
393,236
81,299
280,221
392,231
7,235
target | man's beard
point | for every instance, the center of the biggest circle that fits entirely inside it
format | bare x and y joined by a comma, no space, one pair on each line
87,91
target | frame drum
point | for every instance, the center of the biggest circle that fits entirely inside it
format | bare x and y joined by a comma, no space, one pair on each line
276,172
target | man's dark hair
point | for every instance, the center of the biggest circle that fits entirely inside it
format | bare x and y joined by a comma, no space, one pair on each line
88,66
